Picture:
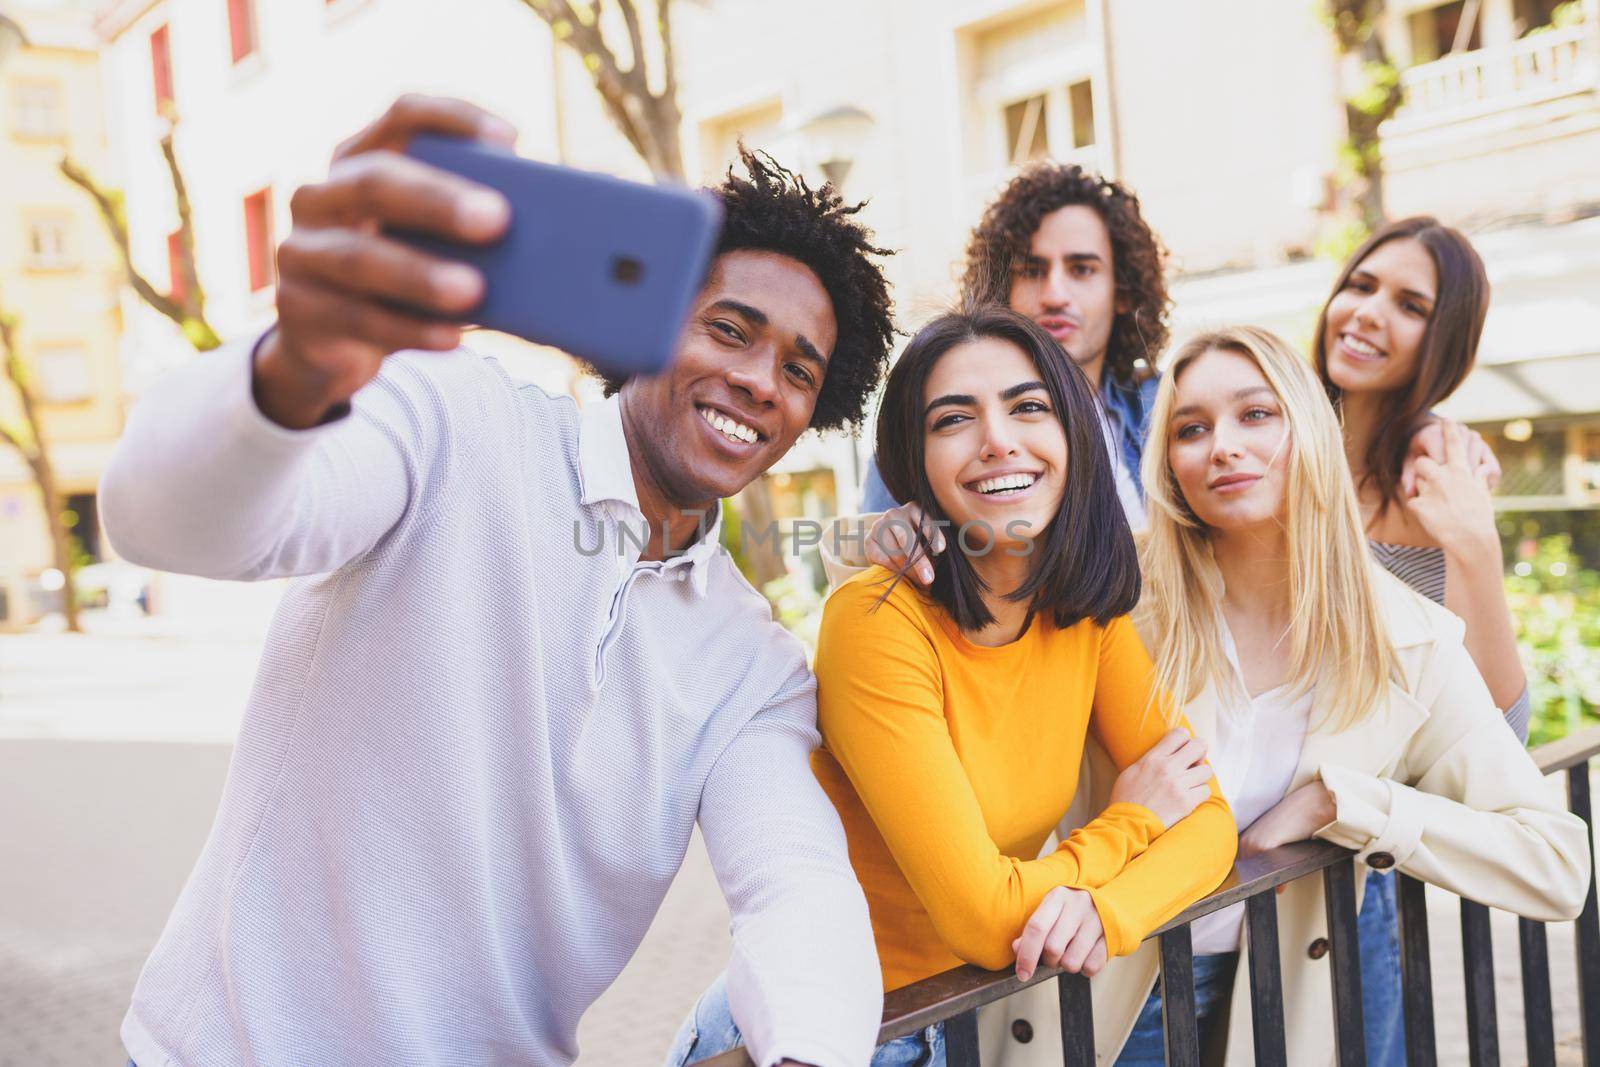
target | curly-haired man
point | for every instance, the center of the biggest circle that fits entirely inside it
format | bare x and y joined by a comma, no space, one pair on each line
476,749
1070,249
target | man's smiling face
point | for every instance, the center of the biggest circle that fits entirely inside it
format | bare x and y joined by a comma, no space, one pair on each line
742,389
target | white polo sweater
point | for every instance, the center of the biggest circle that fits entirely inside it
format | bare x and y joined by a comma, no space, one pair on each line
476,748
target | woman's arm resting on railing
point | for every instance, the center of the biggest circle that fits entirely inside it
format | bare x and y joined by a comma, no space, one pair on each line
1193,856
203,483
803,981
1477,817
882,715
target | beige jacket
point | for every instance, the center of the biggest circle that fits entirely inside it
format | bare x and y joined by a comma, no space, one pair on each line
1434,781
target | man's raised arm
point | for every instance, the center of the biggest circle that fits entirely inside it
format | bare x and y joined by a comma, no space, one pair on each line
247,463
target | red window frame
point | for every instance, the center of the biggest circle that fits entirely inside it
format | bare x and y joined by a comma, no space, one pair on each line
258,239
161,66
177,289
242,28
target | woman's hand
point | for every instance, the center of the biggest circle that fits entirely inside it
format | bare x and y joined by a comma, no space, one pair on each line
892,542
1294,818
1064,931
1452,500
1172,779
1429,441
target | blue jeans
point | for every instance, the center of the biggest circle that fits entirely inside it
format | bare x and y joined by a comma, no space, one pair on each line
1378,931
710,1030
1213,982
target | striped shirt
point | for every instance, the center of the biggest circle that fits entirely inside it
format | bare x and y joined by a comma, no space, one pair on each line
476,747
1422,567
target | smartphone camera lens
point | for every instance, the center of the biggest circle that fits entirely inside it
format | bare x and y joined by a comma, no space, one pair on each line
626,270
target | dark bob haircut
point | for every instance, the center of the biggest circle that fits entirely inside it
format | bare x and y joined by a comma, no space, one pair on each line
1449,344
1005,235
1084,566
775,210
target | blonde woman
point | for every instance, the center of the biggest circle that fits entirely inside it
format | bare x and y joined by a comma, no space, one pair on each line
1337,702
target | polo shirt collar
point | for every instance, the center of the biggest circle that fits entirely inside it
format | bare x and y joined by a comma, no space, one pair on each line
606,473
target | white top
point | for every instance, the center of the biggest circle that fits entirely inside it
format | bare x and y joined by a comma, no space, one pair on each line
477,745
1255,751
1127,488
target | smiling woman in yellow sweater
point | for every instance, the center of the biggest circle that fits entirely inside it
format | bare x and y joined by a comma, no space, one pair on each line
954,720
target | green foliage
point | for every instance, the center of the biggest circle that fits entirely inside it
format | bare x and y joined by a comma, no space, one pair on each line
1555,610
1380,85
797,605
200,334
733,542
1565,16
1340,238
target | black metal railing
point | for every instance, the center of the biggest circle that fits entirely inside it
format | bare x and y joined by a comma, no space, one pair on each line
955,996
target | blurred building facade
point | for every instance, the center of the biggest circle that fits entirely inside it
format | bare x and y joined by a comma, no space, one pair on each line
1227,121
59,276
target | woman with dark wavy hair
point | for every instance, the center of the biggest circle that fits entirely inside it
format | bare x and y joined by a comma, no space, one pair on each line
954,719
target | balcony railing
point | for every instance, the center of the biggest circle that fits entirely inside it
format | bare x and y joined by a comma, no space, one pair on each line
955,996
1537,67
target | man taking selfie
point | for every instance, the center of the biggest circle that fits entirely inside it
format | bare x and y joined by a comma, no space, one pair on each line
476,748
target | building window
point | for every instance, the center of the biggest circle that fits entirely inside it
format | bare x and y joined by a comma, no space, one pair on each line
1045,125
161,68
1026,136
50,242
176,287
64,375
242,28
40,111
258,238
1438,31
1080,102
1589,464
757,126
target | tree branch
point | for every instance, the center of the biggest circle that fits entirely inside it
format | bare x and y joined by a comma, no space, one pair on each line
630,19
11,439
625,95
118,226
668,59
194,300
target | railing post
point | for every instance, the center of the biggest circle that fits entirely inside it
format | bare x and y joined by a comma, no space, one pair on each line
1477,958
1588,923
961,1039
1077,1021
1537,1015
1349,1031
1179,1023
1266,980
1416,973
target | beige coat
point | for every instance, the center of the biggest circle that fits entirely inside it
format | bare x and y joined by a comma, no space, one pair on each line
1434,781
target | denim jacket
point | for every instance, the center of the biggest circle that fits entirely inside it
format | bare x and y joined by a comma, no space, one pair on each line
1129,404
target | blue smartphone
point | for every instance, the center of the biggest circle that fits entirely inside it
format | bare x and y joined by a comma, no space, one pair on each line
601,268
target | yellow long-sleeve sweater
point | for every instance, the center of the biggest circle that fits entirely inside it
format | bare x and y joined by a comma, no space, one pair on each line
951,762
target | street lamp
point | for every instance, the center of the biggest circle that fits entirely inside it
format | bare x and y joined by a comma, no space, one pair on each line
837,137
12,39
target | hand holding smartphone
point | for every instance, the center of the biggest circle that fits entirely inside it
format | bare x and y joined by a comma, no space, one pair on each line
601,268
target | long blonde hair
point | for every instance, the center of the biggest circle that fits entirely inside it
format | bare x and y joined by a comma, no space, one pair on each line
1338,641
